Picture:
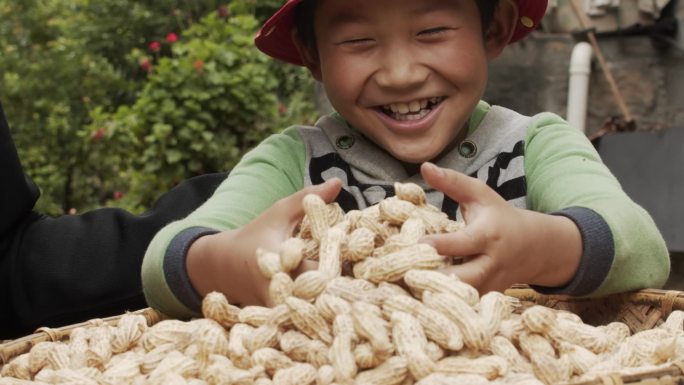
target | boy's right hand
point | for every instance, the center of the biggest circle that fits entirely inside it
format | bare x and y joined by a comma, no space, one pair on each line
502,244
227,261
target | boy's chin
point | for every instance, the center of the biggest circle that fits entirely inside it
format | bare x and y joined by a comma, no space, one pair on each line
415,159
412,165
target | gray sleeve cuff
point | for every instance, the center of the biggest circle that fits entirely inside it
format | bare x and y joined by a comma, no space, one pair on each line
598,252
175,268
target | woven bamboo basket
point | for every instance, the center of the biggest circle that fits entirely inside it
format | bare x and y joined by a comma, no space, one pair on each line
640,310
17,347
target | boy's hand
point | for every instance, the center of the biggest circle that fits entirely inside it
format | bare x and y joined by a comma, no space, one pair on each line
502,244
227,261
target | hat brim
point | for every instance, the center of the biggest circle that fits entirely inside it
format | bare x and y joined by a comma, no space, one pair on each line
275,36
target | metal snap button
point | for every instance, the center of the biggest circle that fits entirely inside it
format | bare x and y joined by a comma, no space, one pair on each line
467,149
345,142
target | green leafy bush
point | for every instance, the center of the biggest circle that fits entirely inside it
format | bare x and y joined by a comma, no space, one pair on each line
204,106
113,102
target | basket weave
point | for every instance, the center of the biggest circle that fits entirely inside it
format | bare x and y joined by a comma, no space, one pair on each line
15,348
640,310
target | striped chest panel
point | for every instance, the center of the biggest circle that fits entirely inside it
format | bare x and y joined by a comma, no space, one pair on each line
368,173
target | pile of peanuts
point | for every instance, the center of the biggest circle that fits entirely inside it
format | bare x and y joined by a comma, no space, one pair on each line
375,312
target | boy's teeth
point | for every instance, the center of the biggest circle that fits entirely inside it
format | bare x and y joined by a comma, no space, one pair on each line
412,107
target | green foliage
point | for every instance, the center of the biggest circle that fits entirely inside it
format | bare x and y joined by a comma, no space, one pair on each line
48,84
202,107
100,117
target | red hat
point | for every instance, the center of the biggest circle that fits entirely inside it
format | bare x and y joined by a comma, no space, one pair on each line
275,36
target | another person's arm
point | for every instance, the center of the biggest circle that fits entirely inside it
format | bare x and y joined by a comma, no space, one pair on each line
64,270
19,193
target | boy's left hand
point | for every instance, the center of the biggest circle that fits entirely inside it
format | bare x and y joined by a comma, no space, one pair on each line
502,244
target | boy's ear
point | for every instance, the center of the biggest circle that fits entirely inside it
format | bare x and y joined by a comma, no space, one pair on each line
309,56
501,28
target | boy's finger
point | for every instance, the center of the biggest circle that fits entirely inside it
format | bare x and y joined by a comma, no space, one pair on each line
327,190
454,184
304,266
462,243
476,272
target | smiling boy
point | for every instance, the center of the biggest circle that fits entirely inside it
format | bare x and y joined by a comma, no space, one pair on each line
406,80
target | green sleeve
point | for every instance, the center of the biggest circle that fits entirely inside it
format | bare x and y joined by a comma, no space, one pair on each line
269,172
564,172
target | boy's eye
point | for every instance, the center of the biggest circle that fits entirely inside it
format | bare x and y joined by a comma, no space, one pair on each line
356,41
432,31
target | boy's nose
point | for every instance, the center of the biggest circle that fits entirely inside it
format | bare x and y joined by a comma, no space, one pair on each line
400,69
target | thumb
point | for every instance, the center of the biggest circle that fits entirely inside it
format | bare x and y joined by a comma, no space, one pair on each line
457,186
327,190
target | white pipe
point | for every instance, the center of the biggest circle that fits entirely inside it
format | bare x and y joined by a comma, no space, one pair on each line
578,90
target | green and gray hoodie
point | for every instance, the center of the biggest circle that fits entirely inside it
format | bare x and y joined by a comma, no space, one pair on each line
538,163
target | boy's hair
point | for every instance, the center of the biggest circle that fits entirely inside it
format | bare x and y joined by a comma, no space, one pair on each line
304,16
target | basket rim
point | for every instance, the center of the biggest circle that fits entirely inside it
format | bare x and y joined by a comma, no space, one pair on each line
11,349
666,300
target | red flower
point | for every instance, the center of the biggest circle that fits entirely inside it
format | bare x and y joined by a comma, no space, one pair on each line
282,108
99,134
199,64
171,37
146,65
154,46
118,195
223,12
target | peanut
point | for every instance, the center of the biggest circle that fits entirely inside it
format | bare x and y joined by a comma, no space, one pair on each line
411,343
395,211
490,367
255,315
437,282
476,335
330,253
391,372
393,266
292,253
330,306
318,215
281,287
359,246
410,192
297,374
437,326
215,306
272,360
342,357
307,319
269,263
310,284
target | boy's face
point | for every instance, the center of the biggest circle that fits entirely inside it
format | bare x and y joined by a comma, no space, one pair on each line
406,73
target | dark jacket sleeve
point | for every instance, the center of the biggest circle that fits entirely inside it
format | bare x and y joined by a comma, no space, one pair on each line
18,193
64,270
